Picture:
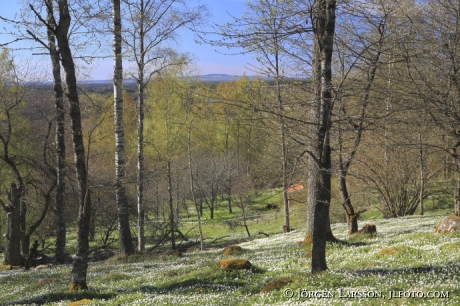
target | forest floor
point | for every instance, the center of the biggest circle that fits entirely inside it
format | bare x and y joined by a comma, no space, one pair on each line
405,263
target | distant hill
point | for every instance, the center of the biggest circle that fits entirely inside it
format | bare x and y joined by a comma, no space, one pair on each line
130,85
225,77
204,78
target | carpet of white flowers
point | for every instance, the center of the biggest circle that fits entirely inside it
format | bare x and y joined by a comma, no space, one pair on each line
405,263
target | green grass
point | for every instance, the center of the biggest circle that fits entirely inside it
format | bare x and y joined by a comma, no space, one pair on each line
417,262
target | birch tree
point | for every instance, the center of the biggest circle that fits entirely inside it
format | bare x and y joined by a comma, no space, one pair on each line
152,25
124,231
60,139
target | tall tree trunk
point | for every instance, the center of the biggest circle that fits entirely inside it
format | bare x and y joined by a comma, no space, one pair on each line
287,225
140,163
12,255
80,264
140,134
457,196
124,231
228,186
422,175
319,164
60,142
171,208
140,166
24,243
352,217
243,212
192,185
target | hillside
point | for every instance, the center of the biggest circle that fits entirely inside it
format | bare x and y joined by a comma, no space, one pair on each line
404,264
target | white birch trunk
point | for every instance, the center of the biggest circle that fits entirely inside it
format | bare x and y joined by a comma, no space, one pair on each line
124,232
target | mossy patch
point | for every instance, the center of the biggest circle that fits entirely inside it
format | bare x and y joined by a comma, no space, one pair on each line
9,267
46,281
451,247
393,251
307,241
173,253
233,264
276,285
125,259
232,249
115,277
192,250
78,286
81,302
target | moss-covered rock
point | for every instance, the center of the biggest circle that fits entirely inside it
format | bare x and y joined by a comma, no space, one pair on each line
233,264
448,225
369,229
232,249
276,285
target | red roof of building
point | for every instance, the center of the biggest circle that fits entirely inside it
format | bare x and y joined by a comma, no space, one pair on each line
294,188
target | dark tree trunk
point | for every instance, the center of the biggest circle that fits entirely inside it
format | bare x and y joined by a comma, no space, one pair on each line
422,176
352,217
24,240
319,181
228,186
80,265
171,208
13,236
243,211
211,211
457,197
229,201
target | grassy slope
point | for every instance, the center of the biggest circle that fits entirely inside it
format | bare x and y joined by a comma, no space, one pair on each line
405,256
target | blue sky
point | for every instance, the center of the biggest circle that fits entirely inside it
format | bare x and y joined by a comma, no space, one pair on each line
207,60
